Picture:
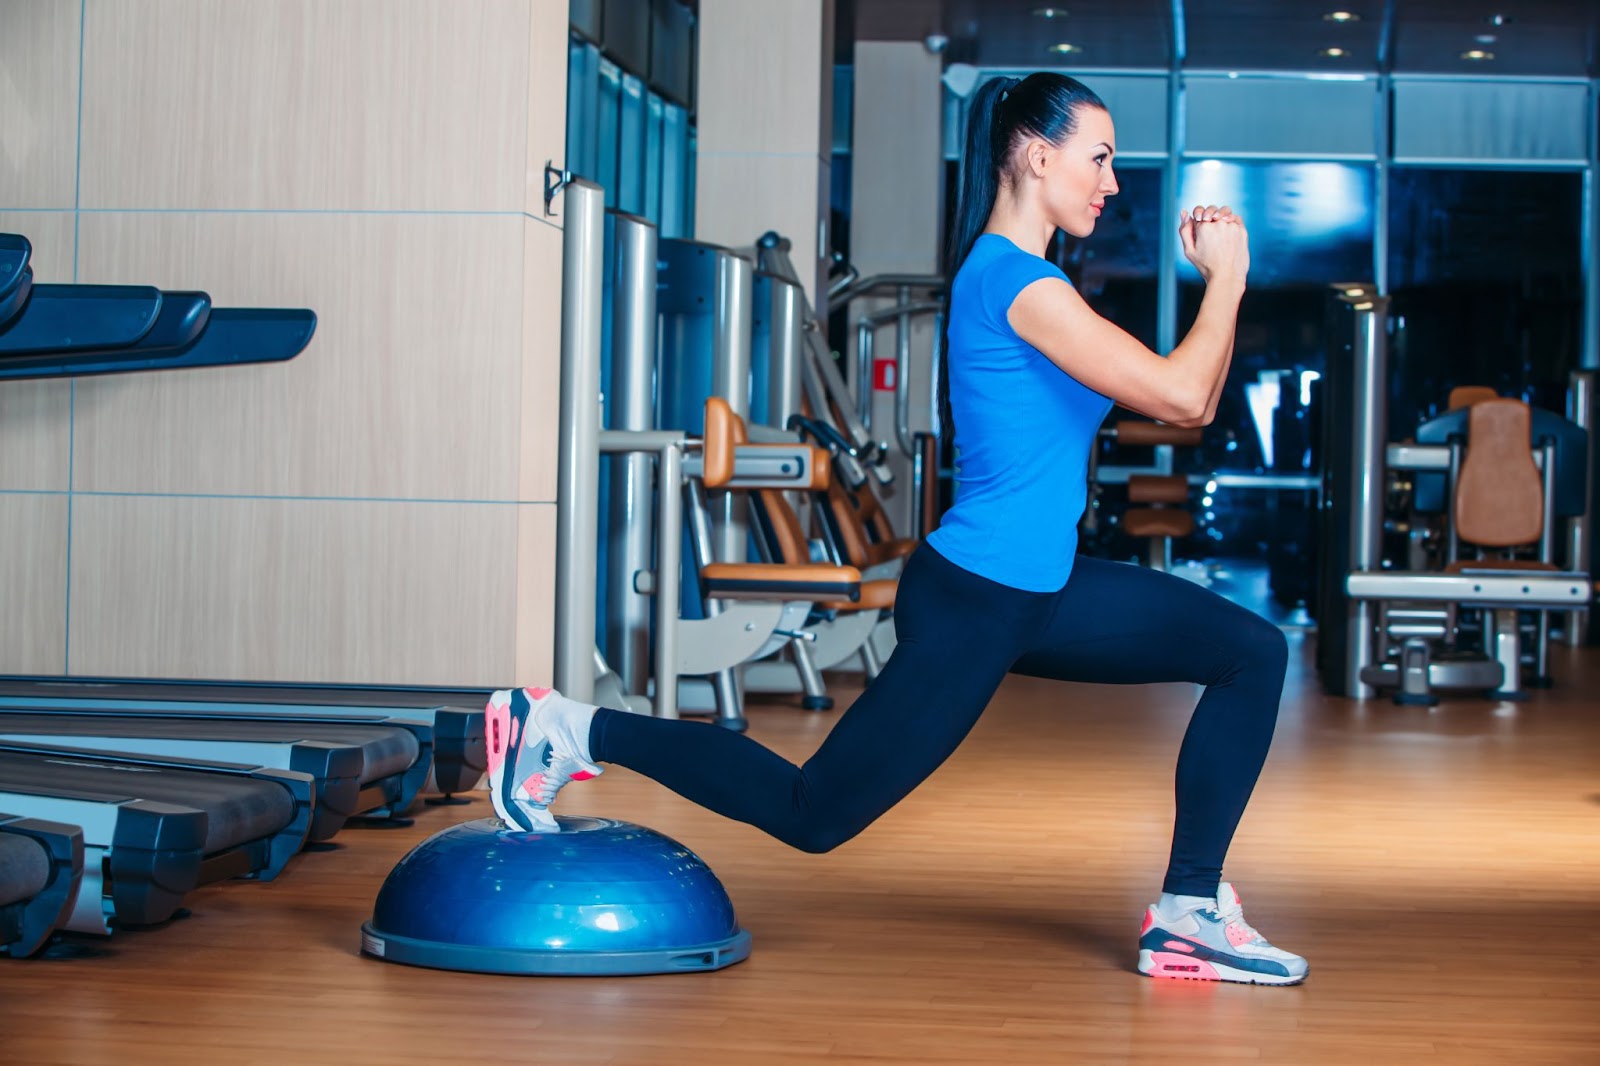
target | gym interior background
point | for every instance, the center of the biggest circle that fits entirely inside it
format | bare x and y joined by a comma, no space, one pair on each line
378,520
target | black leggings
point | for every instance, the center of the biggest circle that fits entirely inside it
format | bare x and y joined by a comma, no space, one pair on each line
958,636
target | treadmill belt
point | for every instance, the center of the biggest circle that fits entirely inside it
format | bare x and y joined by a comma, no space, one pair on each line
387,750
238,809
24,868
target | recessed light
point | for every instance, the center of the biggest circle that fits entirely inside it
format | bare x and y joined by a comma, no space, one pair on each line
1064,49
1341,16
1477,55
1050,12
1486,38
1499,20
1332,53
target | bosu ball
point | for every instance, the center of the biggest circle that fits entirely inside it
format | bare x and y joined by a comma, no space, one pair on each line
599,897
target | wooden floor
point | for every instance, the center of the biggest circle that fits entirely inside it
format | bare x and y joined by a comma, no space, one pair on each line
1441,870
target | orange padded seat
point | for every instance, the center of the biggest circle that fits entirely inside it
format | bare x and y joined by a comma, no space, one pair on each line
1157,522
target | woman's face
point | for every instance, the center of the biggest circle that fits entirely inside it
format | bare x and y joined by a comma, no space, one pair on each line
1077,175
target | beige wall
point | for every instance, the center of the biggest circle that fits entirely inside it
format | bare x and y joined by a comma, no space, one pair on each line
897,196
379,510
765,125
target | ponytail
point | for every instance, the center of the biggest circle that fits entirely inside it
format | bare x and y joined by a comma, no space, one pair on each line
980,184
1003,110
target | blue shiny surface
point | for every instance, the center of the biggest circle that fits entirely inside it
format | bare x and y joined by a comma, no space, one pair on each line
597,886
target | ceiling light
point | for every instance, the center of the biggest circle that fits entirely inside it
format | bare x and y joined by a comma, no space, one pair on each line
1332,53
1499,20
1064,49
1341,16
1477,55
1486,38
1050,12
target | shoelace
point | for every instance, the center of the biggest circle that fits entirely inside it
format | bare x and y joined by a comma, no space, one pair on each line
549,780
1235,915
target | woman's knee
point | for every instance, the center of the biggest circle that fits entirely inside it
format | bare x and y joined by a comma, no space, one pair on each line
1260,648
817,835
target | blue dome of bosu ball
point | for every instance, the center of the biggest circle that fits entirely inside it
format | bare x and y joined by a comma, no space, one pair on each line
599,897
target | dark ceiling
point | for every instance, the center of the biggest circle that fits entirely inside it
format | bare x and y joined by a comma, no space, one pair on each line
1524,37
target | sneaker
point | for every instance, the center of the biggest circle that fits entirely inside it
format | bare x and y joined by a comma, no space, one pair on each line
525,770
1214,943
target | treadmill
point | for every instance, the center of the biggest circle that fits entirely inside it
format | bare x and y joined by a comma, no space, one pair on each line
460,758
156,828
358,767
41,866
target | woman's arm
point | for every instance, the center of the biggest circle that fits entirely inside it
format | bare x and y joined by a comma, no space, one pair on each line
1182,389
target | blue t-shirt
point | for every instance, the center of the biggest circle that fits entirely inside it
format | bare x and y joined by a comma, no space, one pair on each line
1024,428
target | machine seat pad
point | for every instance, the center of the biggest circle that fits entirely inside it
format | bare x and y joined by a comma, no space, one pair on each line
875,596
818,581
1157,522
888,551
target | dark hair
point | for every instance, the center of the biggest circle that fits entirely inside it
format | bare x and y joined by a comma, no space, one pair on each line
1004,112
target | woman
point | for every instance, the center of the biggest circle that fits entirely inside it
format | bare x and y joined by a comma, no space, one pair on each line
997,588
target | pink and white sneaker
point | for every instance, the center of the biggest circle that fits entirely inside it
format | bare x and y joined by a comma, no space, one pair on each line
525,769
1214,943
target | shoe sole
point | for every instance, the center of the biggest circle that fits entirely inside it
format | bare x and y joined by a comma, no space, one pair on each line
1174,967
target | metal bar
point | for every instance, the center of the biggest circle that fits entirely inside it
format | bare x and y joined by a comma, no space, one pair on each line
868,285
1366,476
786,350
633,352
730,379
1430,457
902,374
1580,409
1507,642
668,580
864,345
724,683
1527,589
578,470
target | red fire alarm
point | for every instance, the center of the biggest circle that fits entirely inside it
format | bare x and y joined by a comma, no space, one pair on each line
883,375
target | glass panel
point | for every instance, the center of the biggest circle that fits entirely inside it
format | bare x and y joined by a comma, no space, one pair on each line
653,158
583,102
631,153
627,33
606,123
1311,225
1115,269
672,50
674,170
1486,278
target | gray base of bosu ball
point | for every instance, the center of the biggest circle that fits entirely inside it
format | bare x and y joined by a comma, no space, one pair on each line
600,897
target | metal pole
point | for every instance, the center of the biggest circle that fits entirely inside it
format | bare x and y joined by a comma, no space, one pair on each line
668,581
1580,409
1367,473
633,352
864,343
730,379
578,474
786,350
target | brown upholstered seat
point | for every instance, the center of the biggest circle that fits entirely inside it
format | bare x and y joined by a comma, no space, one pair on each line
888,552
1157,522
1499,495
1158,488
1134,433
1467,395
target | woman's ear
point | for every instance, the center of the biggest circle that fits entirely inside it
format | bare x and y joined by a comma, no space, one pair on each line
1038,153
